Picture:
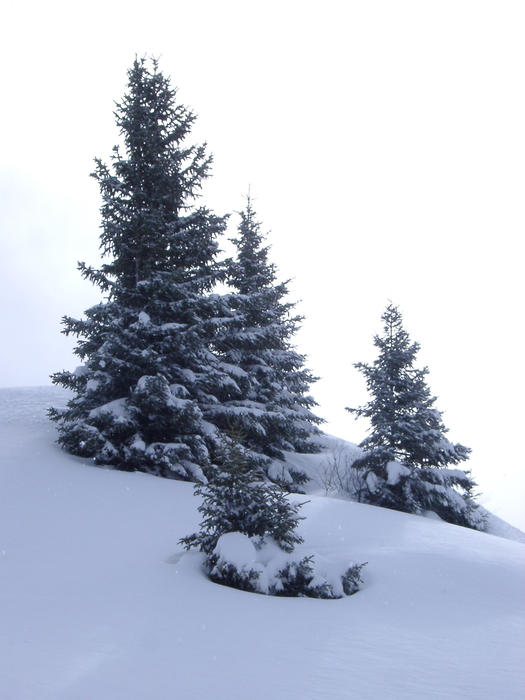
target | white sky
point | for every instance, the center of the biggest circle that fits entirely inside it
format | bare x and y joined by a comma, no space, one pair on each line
385,148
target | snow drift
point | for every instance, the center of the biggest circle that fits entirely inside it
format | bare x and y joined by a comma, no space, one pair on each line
98,601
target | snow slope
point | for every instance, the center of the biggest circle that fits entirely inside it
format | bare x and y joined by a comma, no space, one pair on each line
97,600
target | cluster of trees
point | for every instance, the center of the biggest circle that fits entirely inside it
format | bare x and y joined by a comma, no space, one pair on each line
170,365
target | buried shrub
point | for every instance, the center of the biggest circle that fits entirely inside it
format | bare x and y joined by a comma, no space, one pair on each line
247,564
303,578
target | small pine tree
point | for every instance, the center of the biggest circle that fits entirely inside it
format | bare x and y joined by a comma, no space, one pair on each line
407,429
234,501
148,375
240,509
272,406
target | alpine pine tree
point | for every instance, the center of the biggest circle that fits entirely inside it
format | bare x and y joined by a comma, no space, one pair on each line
406,455
148,374
236,500
273,406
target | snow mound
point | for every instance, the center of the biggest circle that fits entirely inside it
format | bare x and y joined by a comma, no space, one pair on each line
246,563
236,548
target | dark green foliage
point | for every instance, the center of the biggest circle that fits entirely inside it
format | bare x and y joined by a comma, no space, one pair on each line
272,403
164,369
227,574
446,492
296,580
404,424
234,503
235,500
352,578
406,428
148,373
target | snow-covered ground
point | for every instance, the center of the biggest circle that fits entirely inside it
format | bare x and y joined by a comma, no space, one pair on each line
98,601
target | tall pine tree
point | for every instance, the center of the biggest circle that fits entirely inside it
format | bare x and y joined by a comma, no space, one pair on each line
407,453
148,375
273,407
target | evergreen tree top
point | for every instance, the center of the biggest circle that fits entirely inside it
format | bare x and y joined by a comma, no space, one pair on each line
404,423
149,188
154,127
252,271
393,329
397,354
395,344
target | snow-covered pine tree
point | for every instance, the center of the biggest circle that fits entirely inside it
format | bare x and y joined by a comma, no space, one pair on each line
406,458
237,500
148,373
248,533
273,407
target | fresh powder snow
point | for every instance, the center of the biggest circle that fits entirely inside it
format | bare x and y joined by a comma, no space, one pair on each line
97,599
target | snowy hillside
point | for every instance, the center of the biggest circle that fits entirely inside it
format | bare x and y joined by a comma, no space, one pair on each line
98,601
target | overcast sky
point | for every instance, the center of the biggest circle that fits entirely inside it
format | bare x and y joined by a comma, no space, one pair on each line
384,145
